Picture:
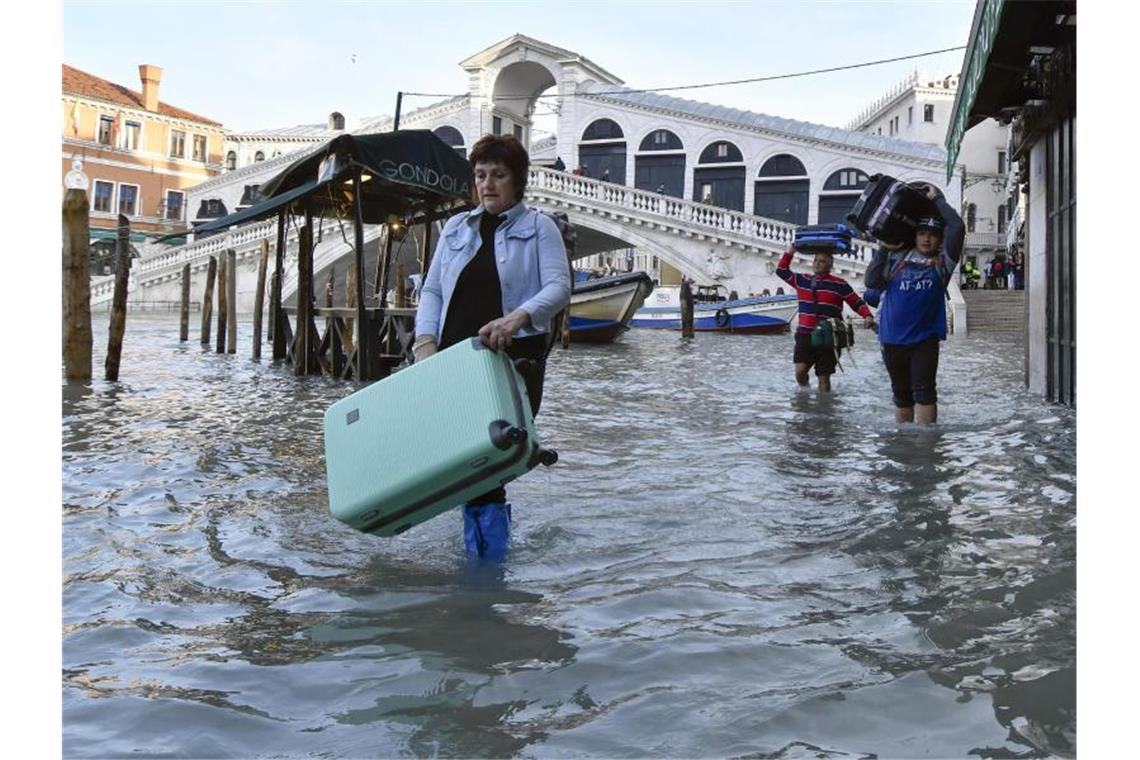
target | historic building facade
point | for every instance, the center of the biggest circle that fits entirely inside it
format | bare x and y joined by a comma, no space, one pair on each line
1020,67
141,156
778,168
920,108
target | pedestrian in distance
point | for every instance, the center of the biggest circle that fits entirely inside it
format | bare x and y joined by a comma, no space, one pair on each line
912,313
499,272
821,296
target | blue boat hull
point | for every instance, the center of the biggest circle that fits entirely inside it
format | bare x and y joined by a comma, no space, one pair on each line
752,316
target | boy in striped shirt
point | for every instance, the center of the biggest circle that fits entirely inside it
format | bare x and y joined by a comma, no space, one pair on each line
821,296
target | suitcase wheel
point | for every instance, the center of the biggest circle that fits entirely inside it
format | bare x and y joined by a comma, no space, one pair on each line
504,435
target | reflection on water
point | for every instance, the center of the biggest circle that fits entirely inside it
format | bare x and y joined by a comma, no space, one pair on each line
719,565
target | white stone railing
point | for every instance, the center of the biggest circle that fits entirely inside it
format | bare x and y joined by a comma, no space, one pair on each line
733,226
327,252
164,265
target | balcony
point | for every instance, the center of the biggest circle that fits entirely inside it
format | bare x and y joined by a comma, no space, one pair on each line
985,240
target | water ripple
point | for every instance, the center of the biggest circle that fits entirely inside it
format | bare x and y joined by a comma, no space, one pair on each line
719,566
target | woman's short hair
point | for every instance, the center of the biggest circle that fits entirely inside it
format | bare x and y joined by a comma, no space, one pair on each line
506,150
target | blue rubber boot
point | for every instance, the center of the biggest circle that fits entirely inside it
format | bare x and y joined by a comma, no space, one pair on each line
487,530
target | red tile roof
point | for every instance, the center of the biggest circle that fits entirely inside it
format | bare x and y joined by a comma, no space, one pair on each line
76,82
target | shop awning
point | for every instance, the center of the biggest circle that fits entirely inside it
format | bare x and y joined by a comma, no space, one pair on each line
253,213
102,234
1003,39
411,173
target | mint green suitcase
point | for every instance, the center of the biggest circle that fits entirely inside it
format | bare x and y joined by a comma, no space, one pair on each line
429,438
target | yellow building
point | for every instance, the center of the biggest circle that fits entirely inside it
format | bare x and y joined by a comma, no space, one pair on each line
140,155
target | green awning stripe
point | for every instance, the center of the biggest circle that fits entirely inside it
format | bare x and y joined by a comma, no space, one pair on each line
981,43
100,234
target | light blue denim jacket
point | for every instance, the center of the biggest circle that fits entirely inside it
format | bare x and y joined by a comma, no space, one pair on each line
529,256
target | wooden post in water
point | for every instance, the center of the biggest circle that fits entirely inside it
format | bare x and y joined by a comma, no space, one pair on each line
231,301
119,303
686,308
259,298
301,347
566,327
350,295
401,291
184,316
77,338
220,342
276,316
208,300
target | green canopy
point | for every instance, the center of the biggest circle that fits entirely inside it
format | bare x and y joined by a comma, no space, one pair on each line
410,173
102,234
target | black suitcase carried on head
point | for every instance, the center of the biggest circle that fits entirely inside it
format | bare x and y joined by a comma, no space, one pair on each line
832,238
889,210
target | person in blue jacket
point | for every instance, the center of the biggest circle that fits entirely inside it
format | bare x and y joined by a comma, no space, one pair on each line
912,309
499,272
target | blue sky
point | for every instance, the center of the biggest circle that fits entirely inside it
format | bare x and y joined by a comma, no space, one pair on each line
271,64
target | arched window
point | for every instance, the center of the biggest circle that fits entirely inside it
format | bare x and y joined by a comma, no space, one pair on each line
259,156
601,151
846,179
449,135
783,165
231,160
603,129
781,190
721,152
661,139
839,195
971,216
336,120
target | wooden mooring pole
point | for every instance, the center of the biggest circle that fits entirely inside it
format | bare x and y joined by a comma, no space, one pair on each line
184,316
231,301
220,341
259,298
301,344
119,301
208,300
350,299
77,340
277,319
686,309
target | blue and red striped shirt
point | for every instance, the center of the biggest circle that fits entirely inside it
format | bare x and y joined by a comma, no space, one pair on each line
821,296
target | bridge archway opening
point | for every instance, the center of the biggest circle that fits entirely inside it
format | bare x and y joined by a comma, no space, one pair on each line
781,190
659,165
513,98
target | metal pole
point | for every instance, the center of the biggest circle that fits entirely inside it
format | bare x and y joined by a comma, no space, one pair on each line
399,101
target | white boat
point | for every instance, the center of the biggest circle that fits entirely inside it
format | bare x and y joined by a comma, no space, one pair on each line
713,312
600,309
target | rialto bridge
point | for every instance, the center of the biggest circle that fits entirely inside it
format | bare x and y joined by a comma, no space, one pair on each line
713,191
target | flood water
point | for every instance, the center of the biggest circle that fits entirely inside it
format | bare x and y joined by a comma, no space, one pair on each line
719,565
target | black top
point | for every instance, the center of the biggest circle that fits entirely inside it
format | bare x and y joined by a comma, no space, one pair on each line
478,295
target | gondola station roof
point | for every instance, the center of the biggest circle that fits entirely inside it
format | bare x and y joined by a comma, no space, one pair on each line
410,173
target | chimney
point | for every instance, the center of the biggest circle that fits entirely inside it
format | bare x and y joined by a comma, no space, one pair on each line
150,76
